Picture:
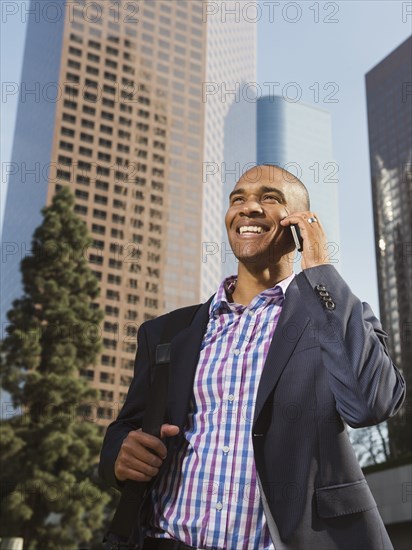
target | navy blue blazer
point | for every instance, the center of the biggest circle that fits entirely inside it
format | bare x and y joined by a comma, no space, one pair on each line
327,366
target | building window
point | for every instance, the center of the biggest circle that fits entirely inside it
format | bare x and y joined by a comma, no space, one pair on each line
89,110
104,156
112,311
75,51
108,360
83,180
67,132
100,229
66,146
105,143
85,151
69,118
94,44
83,195
117,233
73,78
86,137
111,63
100,199
123,148
66,161
80,209
112,51
114,279
116,218
63,175
107,377
95,259
115,264
113,294
101,214
107,116
106,129
93,57
70,104
108,102
87,124
103,185
73,64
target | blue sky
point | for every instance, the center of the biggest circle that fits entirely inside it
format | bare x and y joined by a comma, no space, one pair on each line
297,44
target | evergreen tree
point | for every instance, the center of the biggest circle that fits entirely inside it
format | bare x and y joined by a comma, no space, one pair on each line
49,448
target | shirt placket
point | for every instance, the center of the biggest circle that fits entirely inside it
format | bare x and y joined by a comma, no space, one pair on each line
233,409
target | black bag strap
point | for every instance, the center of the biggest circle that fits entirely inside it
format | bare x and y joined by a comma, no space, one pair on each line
124,526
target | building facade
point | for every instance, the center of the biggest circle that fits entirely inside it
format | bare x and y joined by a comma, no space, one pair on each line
298,137
120,118
389,107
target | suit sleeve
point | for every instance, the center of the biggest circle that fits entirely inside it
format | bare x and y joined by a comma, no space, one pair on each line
131,416
367,386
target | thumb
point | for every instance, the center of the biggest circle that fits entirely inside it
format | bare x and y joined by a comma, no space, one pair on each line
168,430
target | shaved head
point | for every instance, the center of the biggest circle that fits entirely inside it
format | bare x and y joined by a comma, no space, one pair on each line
298,196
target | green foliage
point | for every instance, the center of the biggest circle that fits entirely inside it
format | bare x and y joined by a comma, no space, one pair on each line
50,494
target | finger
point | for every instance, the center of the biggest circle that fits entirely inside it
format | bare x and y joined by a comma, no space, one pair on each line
123,473
293,218
134,450
301,219
169,430
146,463
139,439
144,466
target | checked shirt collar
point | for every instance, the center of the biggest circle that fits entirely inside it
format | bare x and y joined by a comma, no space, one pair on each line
221,304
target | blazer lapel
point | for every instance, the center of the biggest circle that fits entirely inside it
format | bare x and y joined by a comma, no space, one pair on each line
291,324
184,355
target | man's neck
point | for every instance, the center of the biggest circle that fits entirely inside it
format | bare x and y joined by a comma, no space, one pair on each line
251,280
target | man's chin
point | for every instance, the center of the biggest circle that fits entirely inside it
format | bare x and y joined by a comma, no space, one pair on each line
256,259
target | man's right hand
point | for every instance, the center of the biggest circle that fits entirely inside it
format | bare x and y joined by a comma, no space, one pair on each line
141,454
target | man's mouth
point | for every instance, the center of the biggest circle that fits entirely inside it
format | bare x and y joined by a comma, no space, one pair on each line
251,229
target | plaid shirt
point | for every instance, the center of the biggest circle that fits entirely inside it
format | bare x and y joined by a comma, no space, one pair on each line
209,497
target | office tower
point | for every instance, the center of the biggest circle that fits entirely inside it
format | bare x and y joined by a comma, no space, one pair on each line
298,137
112,106
389,104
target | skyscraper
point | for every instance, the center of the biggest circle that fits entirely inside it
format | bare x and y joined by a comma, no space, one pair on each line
111,105
298,137
389,104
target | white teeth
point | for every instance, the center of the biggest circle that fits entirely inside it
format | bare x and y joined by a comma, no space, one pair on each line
250,229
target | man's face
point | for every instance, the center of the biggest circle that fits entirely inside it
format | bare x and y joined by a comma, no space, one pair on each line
259,201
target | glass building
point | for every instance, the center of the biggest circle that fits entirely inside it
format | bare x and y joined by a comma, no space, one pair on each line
389,106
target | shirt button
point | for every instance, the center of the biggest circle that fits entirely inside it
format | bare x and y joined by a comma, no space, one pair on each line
236,351
226,449
251,313
231,397
219,506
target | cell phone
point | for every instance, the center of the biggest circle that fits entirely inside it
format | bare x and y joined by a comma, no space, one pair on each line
296,237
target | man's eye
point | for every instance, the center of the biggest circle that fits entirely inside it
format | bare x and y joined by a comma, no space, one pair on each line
237,199
271,197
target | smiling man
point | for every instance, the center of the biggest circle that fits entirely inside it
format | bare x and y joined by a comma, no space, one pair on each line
255,454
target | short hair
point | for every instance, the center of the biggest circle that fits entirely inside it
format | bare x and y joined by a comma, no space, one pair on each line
288,176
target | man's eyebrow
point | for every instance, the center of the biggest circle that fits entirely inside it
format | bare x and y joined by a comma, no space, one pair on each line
239,191
263,189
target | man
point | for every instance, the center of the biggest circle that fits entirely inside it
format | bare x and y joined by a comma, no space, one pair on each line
256,455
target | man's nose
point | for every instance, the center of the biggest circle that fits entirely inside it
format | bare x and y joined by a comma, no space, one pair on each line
252,205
